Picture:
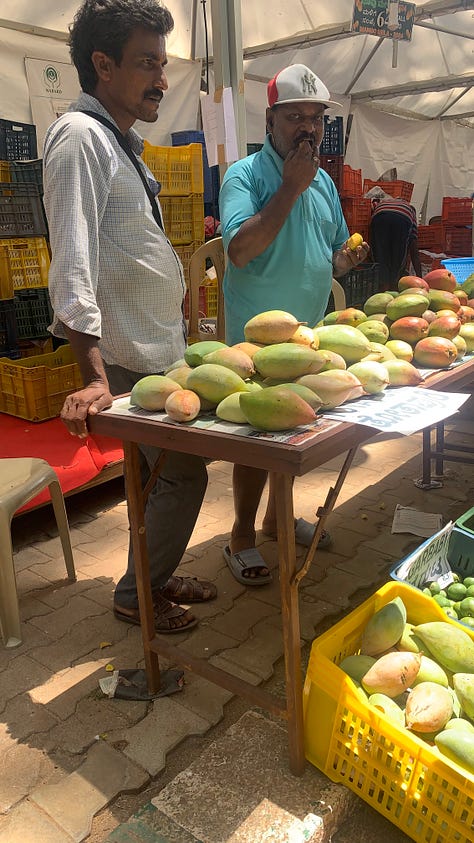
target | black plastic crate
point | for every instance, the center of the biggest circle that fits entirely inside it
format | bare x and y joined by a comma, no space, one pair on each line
8,332
333,138
33,313
27,172
360,283
21,211
17,141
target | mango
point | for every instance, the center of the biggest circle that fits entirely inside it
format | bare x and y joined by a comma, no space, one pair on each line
356,666
247,347
374,330
332,387
182,405
384,628
288,360
195,353
151,392
180,375
458,747
351,316
304,392
409,641
304,336
271,326
450,646
429,707
392,674
464,687
214,382
465,313
372,375
234,359
276,408
388,707
379,352
176,365
402,373
409,329
445,326
377,303
461,346
401,349
431,671
411,282
442,300
229,409
435,353
441,279
410,304
345,340
329,318
467,334
355,240
460,723
334,361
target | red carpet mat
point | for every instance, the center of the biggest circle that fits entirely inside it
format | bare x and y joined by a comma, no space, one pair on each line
76,461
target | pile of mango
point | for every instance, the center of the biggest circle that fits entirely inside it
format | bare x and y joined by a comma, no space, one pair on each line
456,600
285,371
421,677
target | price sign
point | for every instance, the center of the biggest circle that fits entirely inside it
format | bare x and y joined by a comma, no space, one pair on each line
371,17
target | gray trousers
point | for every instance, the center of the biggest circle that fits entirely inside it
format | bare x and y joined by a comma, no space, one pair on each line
171,509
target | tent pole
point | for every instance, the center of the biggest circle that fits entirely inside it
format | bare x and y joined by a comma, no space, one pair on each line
228,62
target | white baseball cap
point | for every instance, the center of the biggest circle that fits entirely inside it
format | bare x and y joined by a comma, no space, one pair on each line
297,83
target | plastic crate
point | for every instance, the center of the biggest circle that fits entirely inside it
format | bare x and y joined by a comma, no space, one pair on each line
35,388
8,332
211,298
24,263
460,556
423,794
466,522
27,172
31,348
178,168
333,164
5,172
17,141
21,211
185,253
333,138
360,283
201,303
430,262
357,212
211,174
456,211
431,237
403,189
462,268
458,240
183,218
351,182
33,313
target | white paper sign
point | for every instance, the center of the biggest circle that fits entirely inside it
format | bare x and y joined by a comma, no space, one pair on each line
429,563
53,85
218,122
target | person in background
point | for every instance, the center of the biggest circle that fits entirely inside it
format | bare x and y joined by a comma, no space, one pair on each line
116,283
393,236
285,236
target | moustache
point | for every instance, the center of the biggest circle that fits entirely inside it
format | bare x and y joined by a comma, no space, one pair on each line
310,138
155,94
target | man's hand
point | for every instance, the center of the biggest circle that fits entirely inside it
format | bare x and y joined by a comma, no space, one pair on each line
346,258
85,402
300,167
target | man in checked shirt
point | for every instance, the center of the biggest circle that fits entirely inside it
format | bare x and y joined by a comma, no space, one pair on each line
115,281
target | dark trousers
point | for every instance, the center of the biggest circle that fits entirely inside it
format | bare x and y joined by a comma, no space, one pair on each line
388,238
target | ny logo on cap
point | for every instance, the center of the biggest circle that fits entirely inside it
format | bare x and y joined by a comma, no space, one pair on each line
308,84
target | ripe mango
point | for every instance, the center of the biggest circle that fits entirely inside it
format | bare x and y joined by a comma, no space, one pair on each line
429,707
357,666
214,382
271,326
334,361
431,671
307,394
379,352
332,387
389,707
450,646
409,329
377,303
467,333
180,375
402,373
351,316
445,326
464,687
443,300
435,353
182,405
392,674
234,359
229,409
195,353
275,408
401,349
441,279
151,392
374,330
304,336
345,340
355,240
458,747
385,628
372,375
248,347
288,360
406,304
411,282
409,641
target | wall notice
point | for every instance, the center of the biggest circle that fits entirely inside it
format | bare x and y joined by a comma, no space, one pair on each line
372,17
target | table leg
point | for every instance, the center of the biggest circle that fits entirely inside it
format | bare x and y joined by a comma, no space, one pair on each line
439,467
290,620
136,515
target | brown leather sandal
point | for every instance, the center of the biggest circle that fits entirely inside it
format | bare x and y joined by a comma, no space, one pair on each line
188,590
164,614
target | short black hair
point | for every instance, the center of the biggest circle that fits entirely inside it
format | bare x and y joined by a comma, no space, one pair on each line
106,26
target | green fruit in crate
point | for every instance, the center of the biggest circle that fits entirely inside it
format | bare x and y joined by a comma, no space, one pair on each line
468,581
441,601
384,629
464,687
357,666
450,612
392,674
468,621
434,587
409,641
459,723
429,707
431,671
466,607
195,353
456,591
458,747
449,645
470,590
389,707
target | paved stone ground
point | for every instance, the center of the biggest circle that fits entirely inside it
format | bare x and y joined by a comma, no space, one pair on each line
75,765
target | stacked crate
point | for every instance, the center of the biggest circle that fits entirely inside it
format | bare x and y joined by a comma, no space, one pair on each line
457,221
179,170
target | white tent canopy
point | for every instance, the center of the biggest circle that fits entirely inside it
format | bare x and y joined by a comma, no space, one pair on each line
417,116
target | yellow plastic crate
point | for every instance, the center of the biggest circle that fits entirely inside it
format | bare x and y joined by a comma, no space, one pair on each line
185,253
5,172
24,263
183,218
211,298
179,169
428,797
35,388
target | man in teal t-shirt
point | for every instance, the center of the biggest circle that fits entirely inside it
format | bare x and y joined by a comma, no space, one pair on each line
285,237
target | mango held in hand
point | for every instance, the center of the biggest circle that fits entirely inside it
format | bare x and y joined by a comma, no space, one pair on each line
449,645
151,392
355,240
384,628
275,408
271,326
392,674
429,707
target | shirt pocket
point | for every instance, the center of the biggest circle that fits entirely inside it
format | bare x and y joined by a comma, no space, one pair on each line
328,229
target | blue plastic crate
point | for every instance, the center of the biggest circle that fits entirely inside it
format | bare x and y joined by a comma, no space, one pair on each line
462,268
211,174
460,555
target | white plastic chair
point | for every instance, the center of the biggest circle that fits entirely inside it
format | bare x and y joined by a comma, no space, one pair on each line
338,295
20,480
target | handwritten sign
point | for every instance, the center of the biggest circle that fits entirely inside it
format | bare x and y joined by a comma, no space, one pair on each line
429,563
371,17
